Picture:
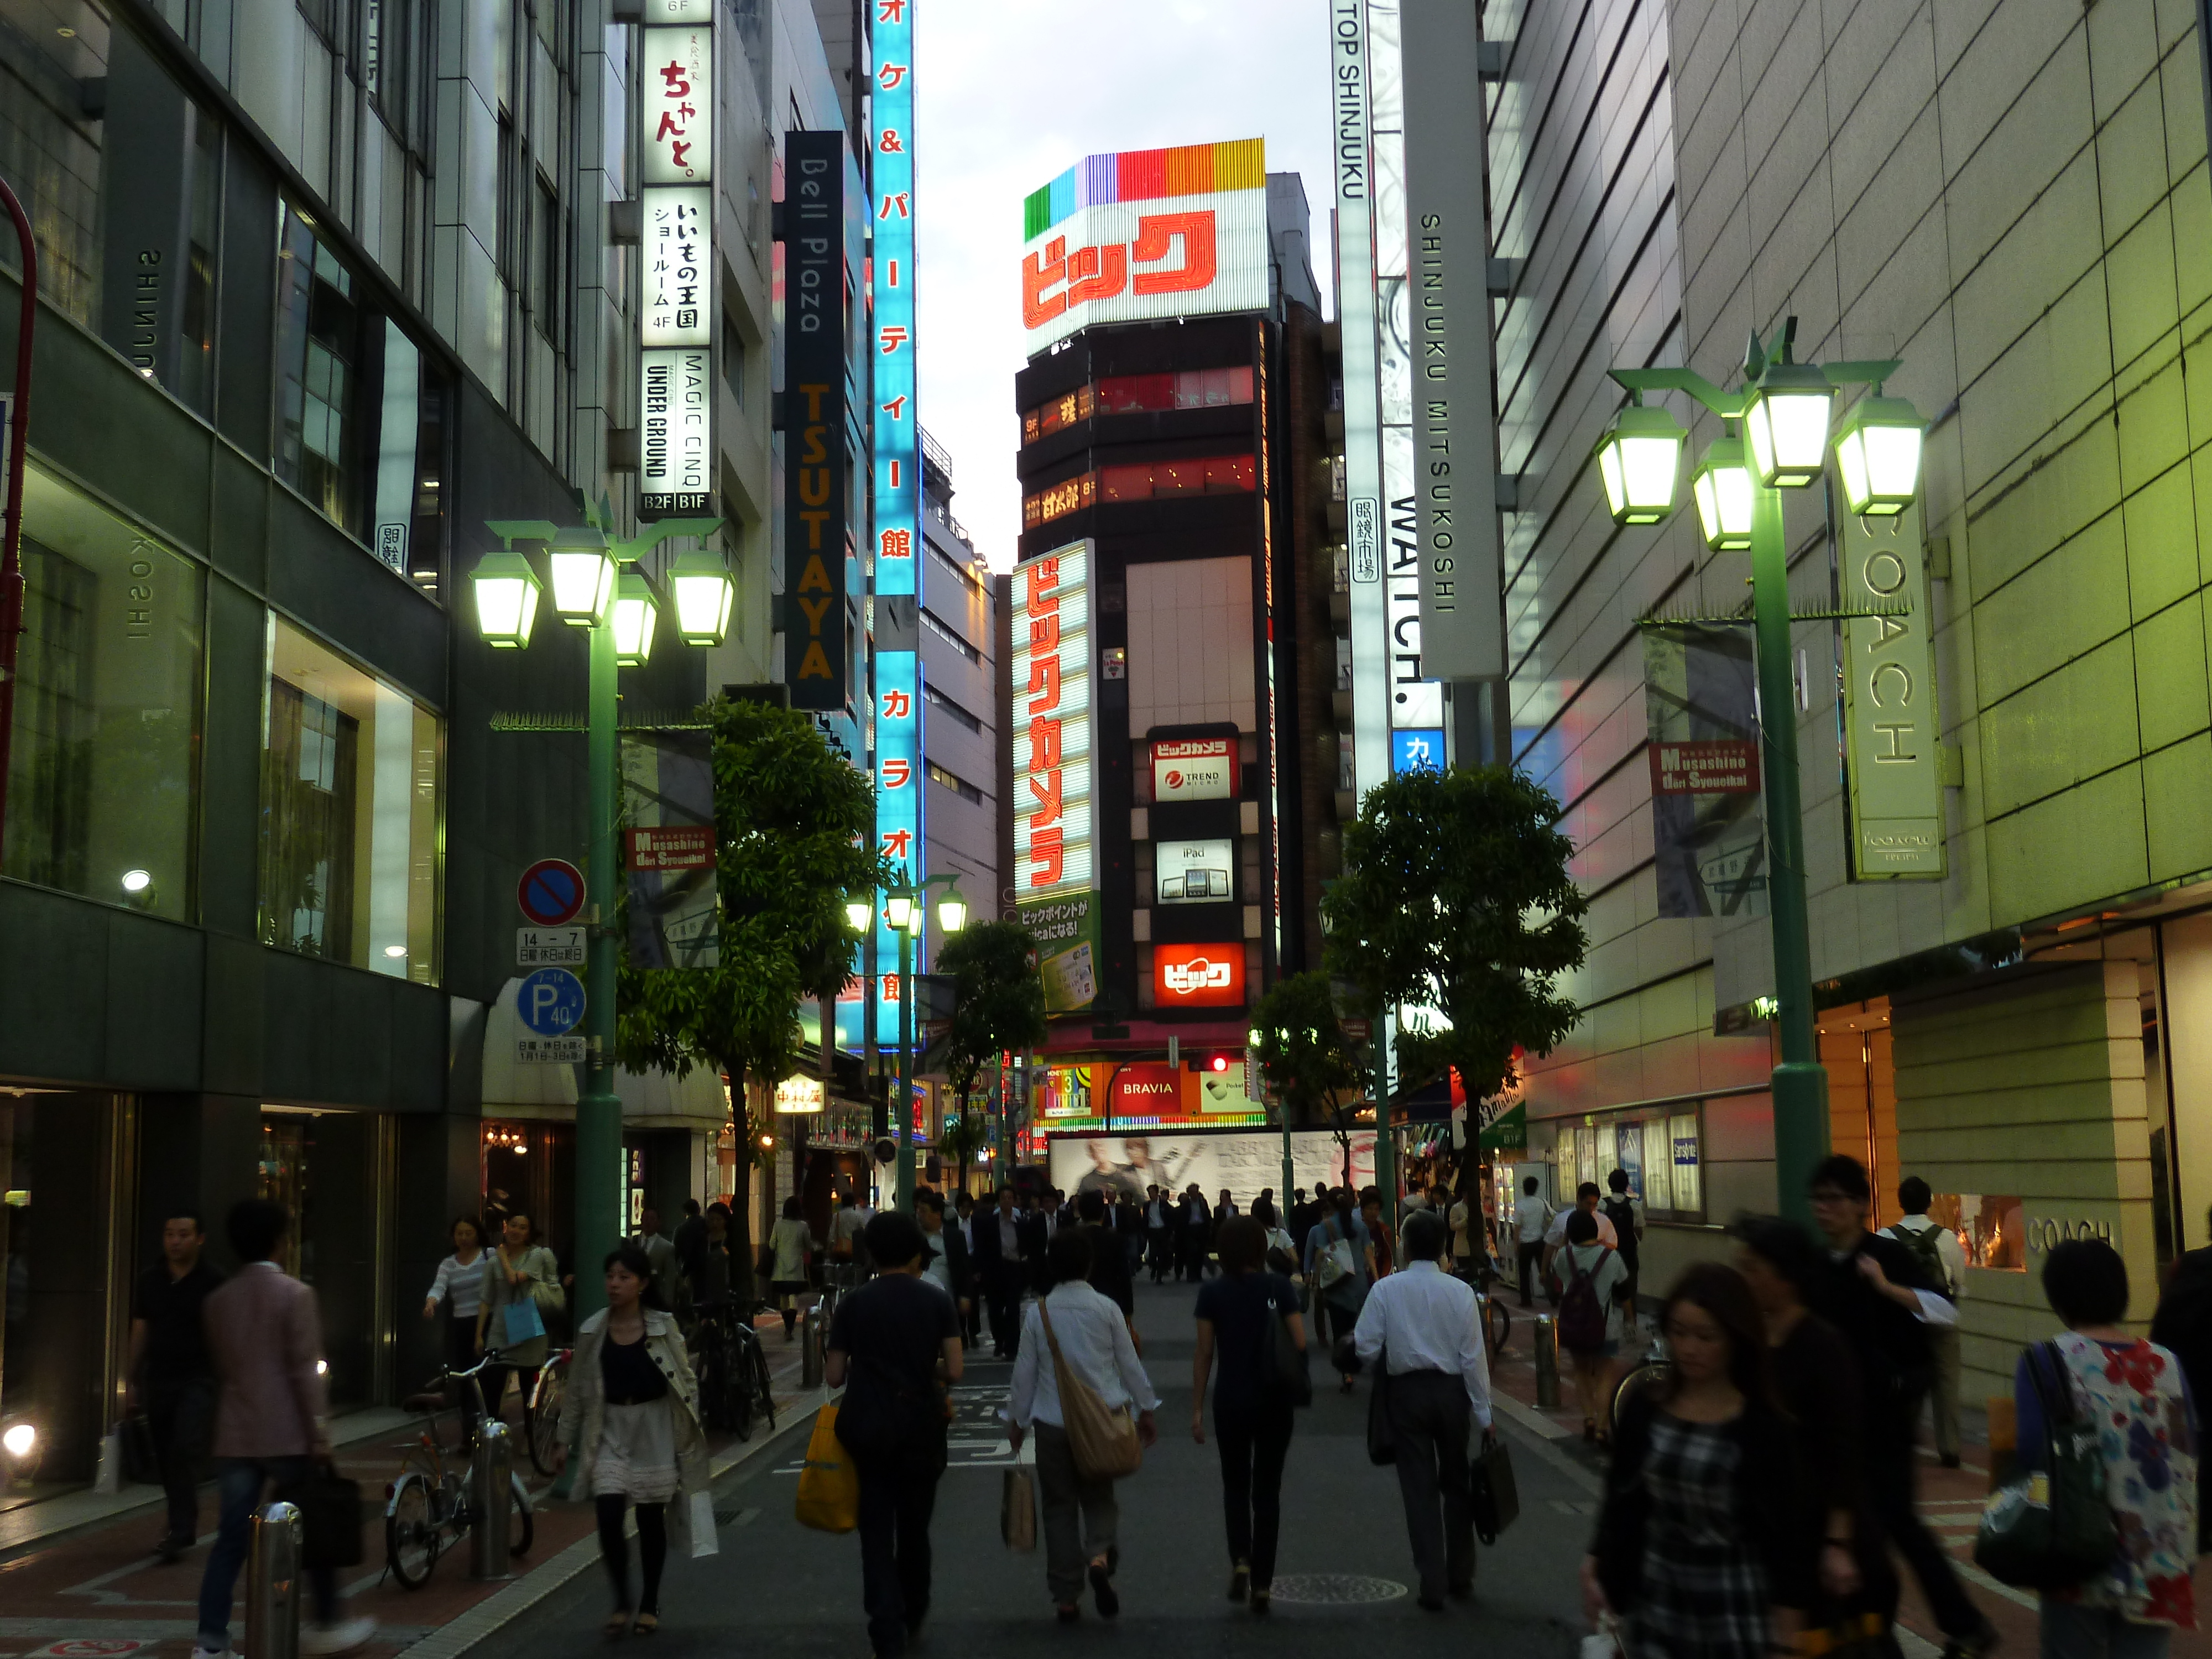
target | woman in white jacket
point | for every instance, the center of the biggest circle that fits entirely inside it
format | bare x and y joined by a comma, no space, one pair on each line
1093,1343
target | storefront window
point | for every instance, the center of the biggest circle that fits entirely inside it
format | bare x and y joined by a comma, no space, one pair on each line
351,814
1689,1182
100,782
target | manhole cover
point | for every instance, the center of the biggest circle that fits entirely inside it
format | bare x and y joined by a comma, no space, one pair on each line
1335,1589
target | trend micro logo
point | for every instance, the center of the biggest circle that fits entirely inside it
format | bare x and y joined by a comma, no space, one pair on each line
1145,234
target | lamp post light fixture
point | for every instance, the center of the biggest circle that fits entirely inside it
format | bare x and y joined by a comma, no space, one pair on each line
704,591
1785,408
1637,460
904,906
858,912
620,620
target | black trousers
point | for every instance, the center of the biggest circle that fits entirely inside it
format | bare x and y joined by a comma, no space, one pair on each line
181,1418
1195,1242
1530,1263
1890,1486
1158,1254
896,1500
1253,1439
651,1548
1431,1418
1002,1283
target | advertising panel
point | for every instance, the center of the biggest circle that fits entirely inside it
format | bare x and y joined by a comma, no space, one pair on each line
668,805
1889,703
1150,1089
1194,872
899,786
1194,769
676,362
1054,828
1709,842
675,432
1145,234
1199,975
897,422
817,658
1244,1163
677,307
676,105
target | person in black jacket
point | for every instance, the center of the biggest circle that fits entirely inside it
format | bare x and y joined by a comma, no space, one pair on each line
947,1262
2182,1324
1873,1292
1706,1543
1109,1263
1002,1239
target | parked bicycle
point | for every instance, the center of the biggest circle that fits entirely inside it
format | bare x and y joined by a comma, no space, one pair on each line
1646,1375
432,1505
733,1371
547,1454
1496,1324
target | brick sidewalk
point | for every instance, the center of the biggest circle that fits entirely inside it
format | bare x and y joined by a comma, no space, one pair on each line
101,1592
1950,1501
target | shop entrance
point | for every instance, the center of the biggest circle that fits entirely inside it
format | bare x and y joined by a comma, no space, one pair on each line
334,1172
1855,1048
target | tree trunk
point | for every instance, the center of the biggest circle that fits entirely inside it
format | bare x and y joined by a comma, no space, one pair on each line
740,1236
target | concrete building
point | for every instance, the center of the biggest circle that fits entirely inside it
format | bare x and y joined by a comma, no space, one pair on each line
959,690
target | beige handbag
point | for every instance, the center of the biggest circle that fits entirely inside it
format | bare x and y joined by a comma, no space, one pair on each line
1103,1443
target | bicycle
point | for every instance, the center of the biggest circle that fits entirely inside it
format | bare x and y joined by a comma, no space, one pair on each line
547,1454
733,1371
1496,1324
430,1507
1648,1374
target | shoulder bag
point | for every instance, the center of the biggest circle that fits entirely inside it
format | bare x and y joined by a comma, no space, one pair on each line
2052,1527
828,1498
1283,1373
1103,1443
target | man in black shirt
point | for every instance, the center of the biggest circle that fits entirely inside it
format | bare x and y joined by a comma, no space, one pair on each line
889,1337
1876,1295
172,1375
1109,1263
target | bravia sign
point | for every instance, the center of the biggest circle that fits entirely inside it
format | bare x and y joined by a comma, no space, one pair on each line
1194,769
1198,976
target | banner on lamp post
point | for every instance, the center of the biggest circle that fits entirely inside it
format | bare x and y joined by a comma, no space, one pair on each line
1889,703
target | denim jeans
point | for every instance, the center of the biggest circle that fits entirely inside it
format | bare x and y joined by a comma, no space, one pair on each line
238,1494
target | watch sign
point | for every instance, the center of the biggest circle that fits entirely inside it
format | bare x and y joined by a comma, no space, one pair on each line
1194,769
1198,976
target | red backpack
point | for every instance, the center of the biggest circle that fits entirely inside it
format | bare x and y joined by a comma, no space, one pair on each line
1582,1316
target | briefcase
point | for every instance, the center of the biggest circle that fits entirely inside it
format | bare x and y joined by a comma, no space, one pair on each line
1491,1492
329,1518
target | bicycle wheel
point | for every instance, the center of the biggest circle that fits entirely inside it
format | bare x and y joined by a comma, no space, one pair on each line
1645,1377
521,1527
763,1392
1498,1324
545,1448
412,1531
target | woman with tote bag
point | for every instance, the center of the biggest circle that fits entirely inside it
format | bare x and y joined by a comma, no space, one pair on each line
521,1286
1078,1398
632,1413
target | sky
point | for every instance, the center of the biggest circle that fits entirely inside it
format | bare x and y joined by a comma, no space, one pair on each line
1009,93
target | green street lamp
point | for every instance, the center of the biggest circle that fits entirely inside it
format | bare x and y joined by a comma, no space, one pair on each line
1878,456
704,592
1785,408
1722,487
905,903
621,618
1637,460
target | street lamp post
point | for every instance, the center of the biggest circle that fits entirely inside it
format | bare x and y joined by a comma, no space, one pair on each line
903,905
1785,409
587,571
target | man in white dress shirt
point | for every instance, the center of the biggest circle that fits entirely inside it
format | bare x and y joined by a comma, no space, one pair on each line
1423,1322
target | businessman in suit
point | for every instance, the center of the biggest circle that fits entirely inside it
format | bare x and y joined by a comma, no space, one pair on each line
1003,1241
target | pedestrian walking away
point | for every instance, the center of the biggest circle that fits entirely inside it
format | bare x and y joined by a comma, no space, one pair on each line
1336,1269
632,1414
519,1289
1624,1210
1381,1241
946,1264
1706,1537
895,1347
2183,1325
1075,1336
1193,1234
1237,1315
1594,1282
1159,1229
1942,1261
459,1288
1532,1218
271,1423
1109,1263
660,1251
1423,1327
790,1248
172,1375
1555,1235
1873,1291
971,1321
1003,1239
2133,1390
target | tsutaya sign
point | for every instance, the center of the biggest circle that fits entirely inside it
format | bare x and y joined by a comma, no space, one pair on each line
1145,234
817,664
676,377
1054,828
1889,702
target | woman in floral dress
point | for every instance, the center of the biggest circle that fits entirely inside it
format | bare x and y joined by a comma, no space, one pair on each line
2133,1390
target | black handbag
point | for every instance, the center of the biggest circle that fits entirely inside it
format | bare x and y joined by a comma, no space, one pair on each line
1282,1362
1382,1439
1491,1491
142,1463
2053,1528
329,1518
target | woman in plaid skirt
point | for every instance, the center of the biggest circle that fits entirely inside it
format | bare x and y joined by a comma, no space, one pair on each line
1707,1541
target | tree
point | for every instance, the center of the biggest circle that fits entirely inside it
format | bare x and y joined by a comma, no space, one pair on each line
1309,1062
998,1006
794,824
1456,898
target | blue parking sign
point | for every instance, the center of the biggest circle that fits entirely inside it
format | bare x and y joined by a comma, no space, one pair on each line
551,1002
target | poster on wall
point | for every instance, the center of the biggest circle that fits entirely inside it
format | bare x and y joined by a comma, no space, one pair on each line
1243,1164
1700,704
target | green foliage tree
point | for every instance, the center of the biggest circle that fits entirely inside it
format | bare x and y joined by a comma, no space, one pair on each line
1309,1062
1456,897
794,824
998,1006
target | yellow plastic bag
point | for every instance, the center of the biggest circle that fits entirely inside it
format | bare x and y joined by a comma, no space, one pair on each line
829,1486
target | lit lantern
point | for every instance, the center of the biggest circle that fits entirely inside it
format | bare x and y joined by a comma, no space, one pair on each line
583,576
507,592
952,912
636,618
1787,422
1637,460
1878,452
704,591
1722,488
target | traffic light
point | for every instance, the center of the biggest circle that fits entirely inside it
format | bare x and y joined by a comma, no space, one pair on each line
1214,1061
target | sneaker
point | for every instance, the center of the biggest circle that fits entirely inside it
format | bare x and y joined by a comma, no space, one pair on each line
343,1637
222,1652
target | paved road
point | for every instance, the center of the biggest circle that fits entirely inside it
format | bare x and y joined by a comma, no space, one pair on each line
781,1589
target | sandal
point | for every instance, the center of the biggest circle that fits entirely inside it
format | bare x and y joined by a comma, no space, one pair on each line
618,1624
646,1624
1261,1601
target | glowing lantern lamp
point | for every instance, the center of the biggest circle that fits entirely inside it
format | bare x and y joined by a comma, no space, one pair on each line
636,618
507,592
1787,422
1722,488
704,591
583,576
1637,460
1878,452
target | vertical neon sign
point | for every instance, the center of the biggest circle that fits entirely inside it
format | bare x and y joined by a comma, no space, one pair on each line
895,542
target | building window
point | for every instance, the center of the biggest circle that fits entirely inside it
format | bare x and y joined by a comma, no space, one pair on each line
101,779
1661,1152
319,348
945,631
734,362
1136,394
938,698
546,271
958,785
351,814
1141,481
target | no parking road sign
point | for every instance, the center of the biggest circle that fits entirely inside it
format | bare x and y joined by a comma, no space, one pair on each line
549,1003
551,891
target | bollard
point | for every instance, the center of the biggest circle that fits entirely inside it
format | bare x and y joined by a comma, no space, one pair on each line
1547,1339
809,1350
490,1468
273,1583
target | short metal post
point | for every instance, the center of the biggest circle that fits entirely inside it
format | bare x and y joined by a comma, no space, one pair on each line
809,1350
273,1583
490,1469
1547,1363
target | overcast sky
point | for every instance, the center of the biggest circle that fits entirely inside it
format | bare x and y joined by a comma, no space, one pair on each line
1012,92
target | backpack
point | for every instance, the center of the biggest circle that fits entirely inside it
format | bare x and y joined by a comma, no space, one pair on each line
1581,1316
1924,1246
1621,1211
